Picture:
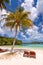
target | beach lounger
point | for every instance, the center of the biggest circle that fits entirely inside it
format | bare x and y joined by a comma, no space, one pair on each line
30,54
3,50
26,54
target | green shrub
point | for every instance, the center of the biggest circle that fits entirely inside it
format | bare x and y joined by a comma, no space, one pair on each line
9,41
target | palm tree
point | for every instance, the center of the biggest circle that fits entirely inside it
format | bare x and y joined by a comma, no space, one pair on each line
2,5
18,20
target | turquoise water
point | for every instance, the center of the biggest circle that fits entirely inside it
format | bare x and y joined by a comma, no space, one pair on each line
33,45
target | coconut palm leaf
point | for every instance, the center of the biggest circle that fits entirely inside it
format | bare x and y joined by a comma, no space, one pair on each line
2,5
24,14
10,17
27,23
9,24
20,18
22,29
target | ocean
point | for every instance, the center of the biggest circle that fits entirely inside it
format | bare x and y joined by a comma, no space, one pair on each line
33,45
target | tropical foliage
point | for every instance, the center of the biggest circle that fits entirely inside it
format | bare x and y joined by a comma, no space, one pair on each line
18,20
2,5
9,41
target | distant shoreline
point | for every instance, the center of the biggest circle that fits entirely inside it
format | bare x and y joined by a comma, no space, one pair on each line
19,46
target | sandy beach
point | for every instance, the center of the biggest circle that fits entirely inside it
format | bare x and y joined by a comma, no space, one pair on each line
18,59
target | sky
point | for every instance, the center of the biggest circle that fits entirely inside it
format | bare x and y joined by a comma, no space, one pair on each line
36,32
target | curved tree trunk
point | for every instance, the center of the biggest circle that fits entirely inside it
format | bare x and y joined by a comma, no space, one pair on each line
12,49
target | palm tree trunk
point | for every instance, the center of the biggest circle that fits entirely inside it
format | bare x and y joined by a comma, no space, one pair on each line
12,49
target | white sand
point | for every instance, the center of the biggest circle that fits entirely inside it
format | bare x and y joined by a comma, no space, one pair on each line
18,59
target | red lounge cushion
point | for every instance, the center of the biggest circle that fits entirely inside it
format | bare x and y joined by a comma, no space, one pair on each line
26,54
3,50
32,54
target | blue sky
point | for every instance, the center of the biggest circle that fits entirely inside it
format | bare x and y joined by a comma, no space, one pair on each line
36,8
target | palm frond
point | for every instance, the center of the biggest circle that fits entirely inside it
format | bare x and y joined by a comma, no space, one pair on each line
9,24
22,27
27,23
6,1
2,5
20,9
10,17
24,14
17,15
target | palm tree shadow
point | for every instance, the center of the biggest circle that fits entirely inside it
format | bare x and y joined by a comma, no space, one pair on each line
8,55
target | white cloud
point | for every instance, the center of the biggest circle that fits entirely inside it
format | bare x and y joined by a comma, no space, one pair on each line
40,6
42,28
1,32
32,30
28,6
2,13
33,34
34,13
22,35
